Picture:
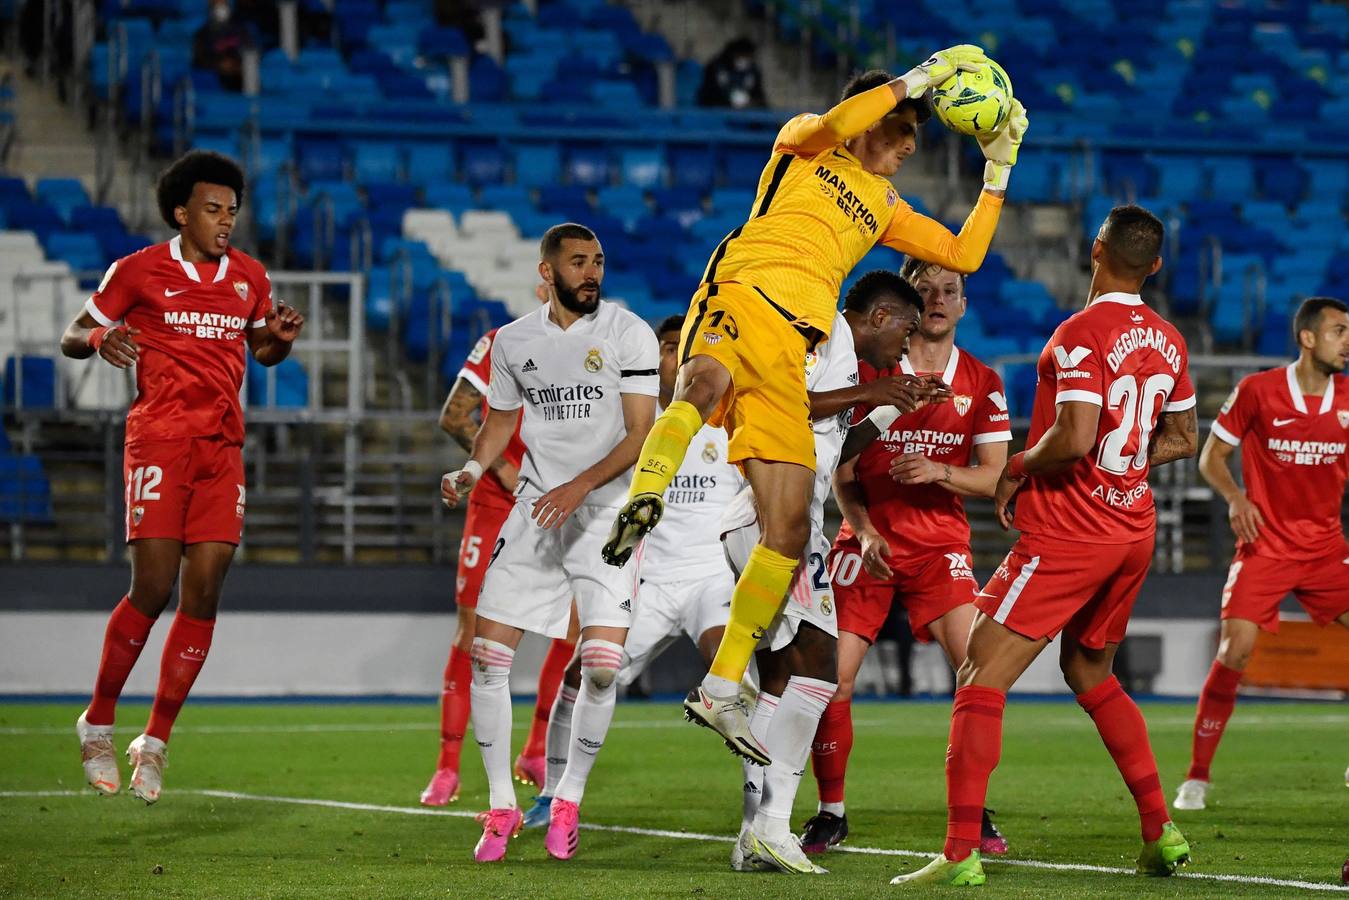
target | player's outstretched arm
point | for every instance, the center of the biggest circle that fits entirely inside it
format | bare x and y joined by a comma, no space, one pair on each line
271,342
1215,466
488,445
1070,438
978,480
1176,437
85,336
460,419
904,392
853,505
639,412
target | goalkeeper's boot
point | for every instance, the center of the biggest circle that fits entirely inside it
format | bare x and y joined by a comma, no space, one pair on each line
149,758
498,827
531,770
728,717
823,830
969,872
991,841
1192,794
634,522
443,789
98,756
539,814
1160,858
783,853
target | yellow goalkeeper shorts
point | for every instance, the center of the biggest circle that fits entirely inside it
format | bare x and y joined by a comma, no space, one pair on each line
765,411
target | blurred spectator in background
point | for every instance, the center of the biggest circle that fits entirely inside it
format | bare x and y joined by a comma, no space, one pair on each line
732,78
466,15
220,43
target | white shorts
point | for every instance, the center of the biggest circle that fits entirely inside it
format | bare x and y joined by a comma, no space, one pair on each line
811,596
534,574
690,607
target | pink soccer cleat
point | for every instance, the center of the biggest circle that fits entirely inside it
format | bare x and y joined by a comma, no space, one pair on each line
498,827
563,829
991,841
443,789
531,770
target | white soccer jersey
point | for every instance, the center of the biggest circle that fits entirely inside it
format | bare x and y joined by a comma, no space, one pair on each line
569,384
830,367
686,545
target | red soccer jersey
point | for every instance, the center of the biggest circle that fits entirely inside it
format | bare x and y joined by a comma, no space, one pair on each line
1292,460
1119,354
194,320
914,517
477,371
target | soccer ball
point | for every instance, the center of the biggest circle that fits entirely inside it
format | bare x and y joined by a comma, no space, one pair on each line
976,102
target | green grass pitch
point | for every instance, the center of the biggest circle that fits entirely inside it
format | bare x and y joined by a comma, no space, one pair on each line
1281,809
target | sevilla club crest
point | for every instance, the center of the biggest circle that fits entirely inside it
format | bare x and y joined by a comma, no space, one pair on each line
1343,415
241,288
962,403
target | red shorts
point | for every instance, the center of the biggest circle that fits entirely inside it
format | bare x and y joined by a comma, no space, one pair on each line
189,490
929,586
1257,584
1047,585
482,524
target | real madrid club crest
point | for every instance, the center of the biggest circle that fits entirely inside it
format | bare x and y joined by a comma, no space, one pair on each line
593,361
710,453
241,288
962,403
827,605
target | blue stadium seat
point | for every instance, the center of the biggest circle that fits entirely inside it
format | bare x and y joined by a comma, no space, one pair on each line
692,167
537,165
376,161
642,166
428,164
588,165
80,250
25,492
38,377
482,162
291,385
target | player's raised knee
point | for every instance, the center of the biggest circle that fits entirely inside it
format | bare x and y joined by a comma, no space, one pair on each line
600,662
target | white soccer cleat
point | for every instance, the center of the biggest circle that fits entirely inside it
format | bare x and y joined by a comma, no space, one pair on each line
1191,795
149,757
784,854
728,717
99,756
742,853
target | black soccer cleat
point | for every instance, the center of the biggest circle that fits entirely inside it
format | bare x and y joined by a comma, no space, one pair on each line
991,841
823,830
634,522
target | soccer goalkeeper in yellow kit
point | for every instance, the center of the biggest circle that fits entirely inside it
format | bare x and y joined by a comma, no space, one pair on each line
767,298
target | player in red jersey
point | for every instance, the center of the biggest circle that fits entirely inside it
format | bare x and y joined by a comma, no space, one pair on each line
1114,399
905,536
181,312
488,505
1291,423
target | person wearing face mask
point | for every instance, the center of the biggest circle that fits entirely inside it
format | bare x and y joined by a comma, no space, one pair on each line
732,78
219,45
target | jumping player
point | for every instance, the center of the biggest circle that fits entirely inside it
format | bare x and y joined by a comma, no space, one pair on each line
824,200
488,505
1109,377
1291,424
184,313
583,371
905,536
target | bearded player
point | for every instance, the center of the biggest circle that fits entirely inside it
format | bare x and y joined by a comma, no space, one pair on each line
1291,424
768,297
488,505
905,536
184,313
1114,399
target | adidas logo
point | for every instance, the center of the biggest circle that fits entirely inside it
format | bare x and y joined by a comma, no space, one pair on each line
751,787
626,606
529,366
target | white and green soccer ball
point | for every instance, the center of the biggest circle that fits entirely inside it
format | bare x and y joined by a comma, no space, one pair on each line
976,102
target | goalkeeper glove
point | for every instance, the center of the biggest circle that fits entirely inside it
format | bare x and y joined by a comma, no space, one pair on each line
942,65
1001,147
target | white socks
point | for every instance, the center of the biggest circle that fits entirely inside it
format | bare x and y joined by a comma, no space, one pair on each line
600,663
491,717
788,743
719,687
559,737
758,726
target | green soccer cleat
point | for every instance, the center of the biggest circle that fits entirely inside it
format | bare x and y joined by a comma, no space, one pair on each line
969,872
1160,858
634,522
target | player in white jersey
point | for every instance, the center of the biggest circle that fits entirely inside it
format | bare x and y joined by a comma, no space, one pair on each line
685,586
584,373
797,656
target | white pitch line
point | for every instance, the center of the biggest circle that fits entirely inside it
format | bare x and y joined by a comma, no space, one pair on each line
699,836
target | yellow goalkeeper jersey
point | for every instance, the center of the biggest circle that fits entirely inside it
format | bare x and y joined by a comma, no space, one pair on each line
817,213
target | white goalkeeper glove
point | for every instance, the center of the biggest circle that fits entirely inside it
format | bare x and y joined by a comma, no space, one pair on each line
942,65
1001,147
455,485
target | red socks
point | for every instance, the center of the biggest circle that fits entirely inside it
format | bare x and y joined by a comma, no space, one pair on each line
555,665
184,653
123,641
971,757
1126,737
454,707
1216,703
829,752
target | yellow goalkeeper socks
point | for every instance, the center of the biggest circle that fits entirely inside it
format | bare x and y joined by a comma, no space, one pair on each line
759,594
666,444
